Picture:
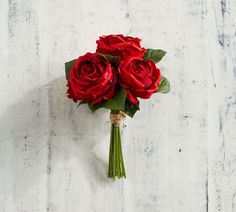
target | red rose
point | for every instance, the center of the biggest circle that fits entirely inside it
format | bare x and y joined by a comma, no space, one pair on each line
140,78
119,45
91,79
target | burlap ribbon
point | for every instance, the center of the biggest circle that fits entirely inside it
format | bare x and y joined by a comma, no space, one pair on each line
117,118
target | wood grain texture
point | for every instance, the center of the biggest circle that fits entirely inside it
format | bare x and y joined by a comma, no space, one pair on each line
180,150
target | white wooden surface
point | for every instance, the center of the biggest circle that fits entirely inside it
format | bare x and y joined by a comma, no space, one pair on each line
180,149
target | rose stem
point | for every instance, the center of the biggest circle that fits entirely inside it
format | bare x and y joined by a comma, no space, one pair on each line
116,162
120,167
121,156
114,151
110,153
117,152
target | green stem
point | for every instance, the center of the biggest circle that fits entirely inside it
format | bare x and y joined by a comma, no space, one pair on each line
116,166
118,152
113,152
110,154
121,155
118,155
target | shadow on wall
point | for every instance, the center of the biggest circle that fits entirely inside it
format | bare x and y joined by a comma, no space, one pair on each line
44,134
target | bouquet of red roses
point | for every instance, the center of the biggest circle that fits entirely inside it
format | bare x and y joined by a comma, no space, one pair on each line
114,77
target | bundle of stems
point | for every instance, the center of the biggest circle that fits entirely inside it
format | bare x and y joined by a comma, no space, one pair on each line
116,166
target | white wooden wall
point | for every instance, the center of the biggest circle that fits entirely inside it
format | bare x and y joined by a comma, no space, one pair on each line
180,149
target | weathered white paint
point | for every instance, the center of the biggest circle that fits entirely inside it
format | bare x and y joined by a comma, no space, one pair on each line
179,150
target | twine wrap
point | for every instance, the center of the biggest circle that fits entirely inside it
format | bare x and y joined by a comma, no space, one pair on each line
117,118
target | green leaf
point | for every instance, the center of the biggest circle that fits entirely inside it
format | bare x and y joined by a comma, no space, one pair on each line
164,85
130,108
68,66
94,107
110,58
117,102
82,102
154,54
